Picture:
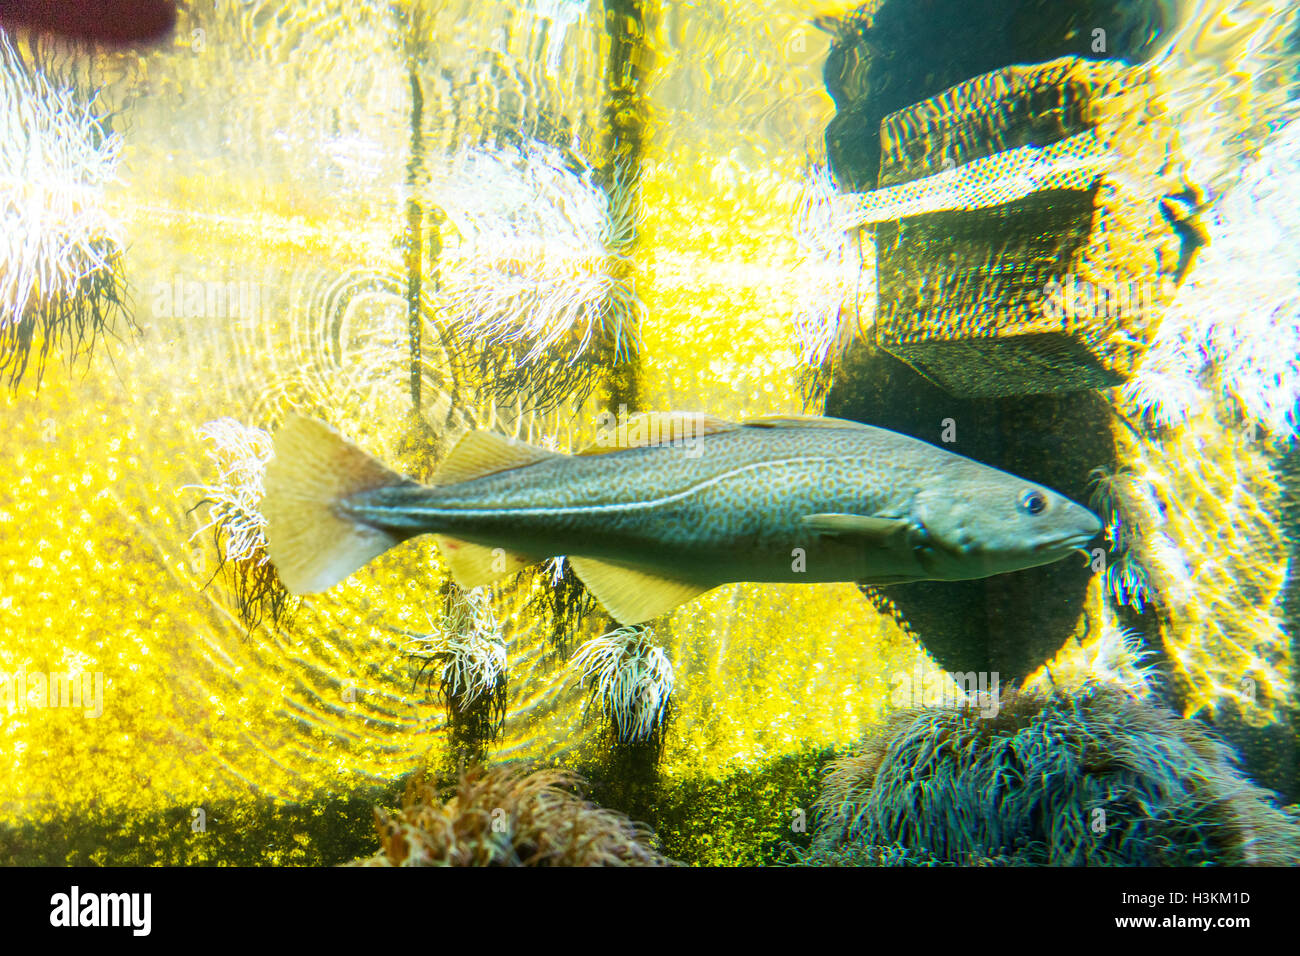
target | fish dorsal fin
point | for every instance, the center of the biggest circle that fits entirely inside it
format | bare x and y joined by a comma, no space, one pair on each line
801,421
486,453
474,565
629,595
658,428
879,531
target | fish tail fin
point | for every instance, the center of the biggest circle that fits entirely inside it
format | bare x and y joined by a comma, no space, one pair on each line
313,467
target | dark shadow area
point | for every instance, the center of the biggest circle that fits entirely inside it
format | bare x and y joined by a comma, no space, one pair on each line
256,831
1010,623
749,817
752,816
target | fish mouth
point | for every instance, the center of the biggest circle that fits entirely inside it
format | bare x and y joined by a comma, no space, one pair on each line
1075,542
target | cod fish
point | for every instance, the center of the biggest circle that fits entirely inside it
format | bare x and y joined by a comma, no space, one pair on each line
676,505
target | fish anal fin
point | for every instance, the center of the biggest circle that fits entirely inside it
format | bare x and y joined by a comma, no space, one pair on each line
474,565
658,428
632,596
482,453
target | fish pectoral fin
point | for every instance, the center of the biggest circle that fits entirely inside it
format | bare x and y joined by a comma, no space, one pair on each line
474,565
629,595
884,532
486,453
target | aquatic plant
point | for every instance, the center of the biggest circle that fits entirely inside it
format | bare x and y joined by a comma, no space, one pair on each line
560,599
631,678
1095,777
1234,326
240,455
506,816
60,259
465,644
531,286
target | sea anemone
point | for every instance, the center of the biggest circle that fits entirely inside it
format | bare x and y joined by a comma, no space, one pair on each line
1110,654
1095,777
504,816
1120,658
240,455
1125,504
631,678
829,274
465,645
60,258
533,284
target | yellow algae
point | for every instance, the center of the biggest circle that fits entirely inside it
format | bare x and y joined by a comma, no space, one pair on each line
196,710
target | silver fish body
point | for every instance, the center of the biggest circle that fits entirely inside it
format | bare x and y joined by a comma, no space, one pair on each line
812,500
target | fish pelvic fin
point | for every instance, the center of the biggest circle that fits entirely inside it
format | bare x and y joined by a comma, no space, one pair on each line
313,467
474,565
632,596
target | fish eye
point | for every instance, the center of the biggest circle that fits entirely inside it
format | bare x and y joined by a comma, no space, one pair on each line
1033,502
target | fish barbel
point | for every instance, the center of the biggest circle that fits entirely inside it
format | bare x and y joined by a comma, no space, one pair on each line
682,504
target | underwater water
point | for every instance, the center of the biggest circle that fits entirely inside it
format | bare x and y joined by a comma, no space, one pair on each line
1054,238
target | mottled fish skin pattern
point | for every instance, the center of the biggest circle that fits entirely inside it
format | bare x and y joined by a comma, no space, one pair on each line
733,508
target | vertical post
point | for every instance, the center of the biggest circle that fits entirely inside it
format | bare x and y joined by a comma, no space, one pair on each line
624,122
414,224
